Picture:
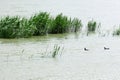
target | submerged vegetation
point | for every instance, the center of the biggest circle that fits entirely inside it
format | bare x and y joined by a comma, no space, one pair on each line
57,50
39,24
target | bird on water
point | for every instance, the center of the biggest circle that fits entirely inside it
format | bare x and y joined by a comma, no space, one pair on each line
105,48
85,49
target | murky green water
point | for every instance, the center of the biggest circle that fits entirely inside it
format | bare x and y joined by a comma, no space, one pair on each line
73,64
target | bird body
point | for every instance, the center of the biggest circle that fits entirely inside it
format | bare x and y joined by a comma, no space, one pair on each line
85,49
105,48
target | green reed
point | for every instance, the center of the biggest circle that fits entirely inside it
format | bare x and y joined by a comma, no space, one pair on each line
116,32
39,24
91,26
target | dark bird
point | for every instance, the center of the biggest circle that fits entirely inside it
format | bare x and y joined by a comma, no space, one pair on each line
85,49
105,48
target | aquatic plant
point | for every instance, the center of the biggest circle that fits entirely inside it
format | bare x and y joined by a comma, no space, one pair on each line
91,26
15,27
59,24
26,28
40,21
116,32
55,51
21,54
9,27
76,25
39,24
63,24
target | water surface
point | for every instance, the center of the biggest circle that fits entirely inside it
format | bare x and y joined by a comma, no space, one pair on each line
73,64
20,59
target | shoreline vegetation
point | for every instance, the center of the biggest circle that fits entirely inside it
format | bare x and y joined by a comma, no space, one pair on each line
38,25
43,23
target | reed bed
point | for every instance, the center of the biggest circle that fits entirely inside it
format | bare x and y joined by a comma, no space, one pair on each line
43,23
60,24
63,24
39,24
91,26
116,32
15,27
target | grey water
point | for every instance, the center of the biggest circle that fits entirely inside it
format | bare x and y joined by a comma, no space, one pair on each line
20,59
73,64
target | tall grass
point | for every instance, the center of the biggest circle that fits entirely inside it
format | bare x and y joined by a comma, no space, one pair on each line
55,51
15,27
63,24
9,27
76,25
117,31
59,25
91,26
26,28
39,24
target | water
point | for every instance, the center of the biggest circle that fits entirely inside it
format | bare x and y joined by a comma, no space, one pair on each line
20,59
73,64
104,11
